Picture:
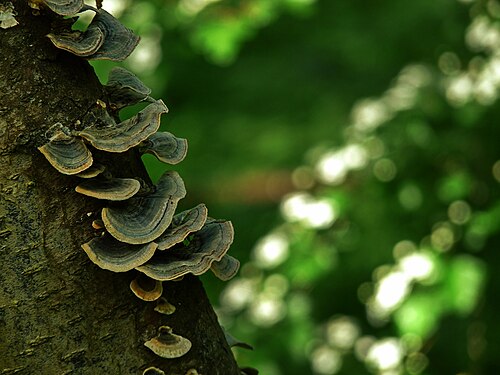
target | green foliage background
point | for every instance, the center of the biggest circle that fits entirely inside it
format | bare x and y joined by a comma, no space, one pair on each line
267,90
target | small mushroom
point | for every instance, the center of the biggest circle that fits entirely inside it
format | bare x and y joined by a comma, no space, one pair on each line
79,43
129,133
63,7
124,88
206,246
66,153
166,147
153,371
91,172
116,256
97,224
142,219
164,307
113,189
168,344
119,41
182,225
226,268
146,288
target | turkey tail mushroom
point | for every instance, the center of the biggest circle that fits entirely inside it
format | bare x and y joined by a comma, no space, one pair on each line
167,344
66,153
143,219
206,246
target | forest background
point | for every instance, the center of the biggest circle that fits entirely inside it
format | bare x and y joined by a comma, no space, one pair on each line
354,146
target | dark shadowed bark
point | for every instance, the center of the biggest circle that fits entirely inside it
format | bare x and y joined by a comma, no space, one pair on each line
60,313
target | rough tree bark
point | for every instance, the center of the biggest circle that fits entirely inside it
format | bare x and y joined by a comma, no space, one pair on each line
60,313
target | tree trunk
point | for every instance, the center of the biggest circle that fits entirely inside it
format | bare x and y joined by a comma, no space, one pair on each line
60,313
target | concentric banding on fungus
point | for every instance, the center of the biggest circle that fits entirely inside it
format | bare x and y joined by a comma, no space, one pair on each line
117,256
143,219
182,225
124,88
94,170
79,43
166,147
226,268
119,41
129,133
167,344
63,7
67,154
113,189
206,246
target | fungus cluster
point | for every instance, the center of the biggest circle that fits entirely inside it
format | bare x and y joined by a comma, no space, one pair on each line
139,227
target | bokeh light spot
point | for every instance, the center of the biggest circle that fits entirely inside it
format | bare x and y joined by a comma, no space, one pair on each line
385,354
271,250
385,170
325,360
459,212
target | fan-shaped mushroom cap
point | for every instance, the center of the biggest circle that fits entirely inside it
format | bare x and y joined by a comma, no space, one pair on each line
143,219
226,268
207,245
182,224
64,7
168,344
79,43
67,154
166,147
119,41
164,307
146,288
116,256
129,133
153,371
93,171
113,189
124,88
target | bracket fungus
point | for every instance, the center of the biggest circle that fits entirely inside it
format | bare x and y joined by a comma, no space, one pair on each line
61,7
129,133
66,153
113,189
153,371
143,219
167,344
79,43
166,147
207,245
226,268
164,307
94,170
146,288
182,225
117,256
119,41
124,88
